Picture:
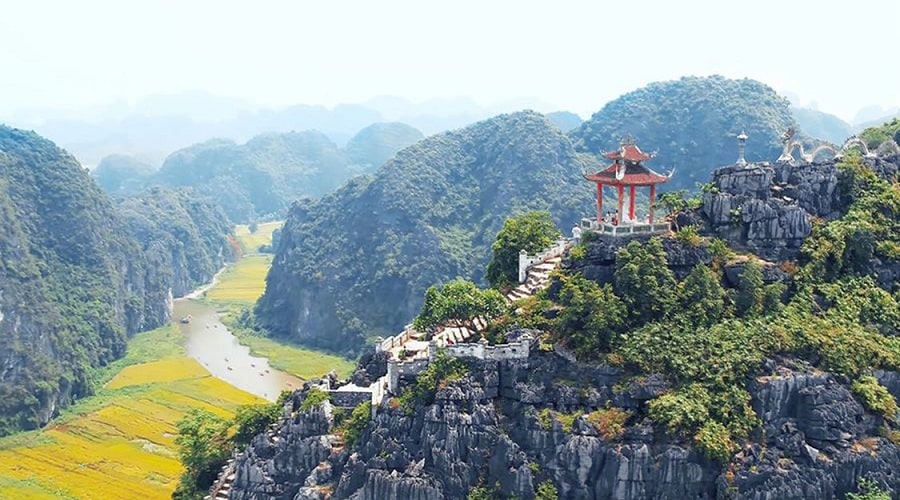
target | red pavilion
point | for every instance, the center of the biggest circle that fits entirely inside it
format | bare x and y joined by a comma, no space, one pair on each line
626,170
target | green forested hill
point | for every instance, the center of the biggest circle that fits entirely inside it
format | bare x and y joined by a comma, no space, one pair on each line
377,143
183,236
692,123
122,175
74,282
821,125
357,262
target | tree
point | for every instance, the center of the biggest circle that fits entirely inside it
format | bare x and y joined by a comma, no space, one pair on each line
644,281
203,447
701,297
592,314
459,302
546,491
869,490
253,419
750,294
532,232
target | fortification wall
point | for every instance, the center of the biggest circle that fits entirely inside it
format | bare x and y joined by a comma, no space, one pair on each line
349,399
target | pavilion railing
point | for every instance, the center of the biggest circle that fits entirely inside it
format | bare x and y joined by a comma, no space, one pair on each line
624,229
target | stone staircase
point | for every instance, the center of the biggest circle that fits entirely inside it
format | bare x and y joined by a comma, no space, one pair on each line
537,279
221,488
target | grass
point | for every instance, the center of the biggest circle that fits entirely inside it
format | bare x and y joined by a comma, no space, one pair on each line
242,282
300,362
118,443
250,242
245,281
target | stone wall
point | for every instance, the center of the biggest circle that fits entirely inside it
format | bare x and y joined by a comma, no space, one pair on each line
349,399
526,261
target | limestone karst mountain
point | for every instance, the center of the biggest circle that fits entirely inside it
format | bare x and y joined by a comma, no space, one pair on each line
692,123
728,374
357,262
77,277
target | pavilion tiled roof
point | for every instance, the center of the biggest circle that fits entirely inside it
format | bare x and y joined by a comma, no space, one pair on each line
635,174
628,152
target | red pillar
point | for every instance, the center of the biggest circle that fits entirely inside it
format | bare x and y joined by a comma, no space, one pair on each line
621,190
652,200
599,202
631,203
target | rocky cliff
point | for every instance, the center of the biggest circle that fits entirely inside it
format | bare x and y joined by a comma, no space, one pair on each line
770,209
74,281
512,425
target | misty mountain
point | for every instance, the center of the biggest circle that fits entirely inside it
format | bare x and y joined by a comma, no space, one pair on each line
821,125
565,120
122,175
262,177
377,143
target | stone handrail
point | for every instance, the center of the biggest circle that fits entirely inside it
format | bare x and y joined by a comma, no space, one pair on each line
625,228
526,261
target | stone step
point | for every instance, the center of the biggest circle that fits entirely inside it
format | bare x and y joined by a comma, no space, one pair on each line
546,266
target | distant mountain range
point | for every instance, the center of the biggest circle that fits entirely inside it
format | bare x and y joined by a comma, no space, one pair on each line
153,127
262,177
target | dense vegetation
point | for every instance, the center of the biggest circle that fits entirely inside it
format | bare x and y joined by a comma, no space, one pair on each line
874,136
692,123
835,317
261,178
205,441
73,283
122,175
183,236
356,263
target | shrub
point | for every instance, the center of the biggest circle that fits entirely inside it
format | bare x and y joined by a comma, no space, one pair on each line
442,369
314,397
353,427
609,422
251,420
546,490
567,420
875,397
685,409
714,441
689,236
545,419
532,232
869,490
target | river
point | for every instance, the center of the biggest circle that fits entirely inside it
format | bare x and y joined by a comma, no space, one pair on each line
212,345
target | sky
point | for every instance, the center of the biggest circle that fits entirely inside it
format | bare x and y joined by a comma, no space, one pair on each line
571,55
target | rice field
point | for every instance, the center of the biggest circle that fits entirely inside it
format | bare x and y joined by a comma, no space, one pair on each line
250,242
118,444
243,282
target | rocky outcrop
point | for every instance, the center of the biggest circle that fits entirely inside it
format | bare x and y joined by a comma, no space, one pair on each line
744,209
492,428
815,440
768,209
599,261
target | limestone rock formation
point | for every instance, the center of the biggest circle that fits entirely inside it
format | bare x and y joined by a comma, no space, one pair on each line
487,428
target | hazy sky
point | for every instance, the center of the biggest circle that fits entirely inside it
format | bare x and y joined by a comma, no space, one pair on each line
574,55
